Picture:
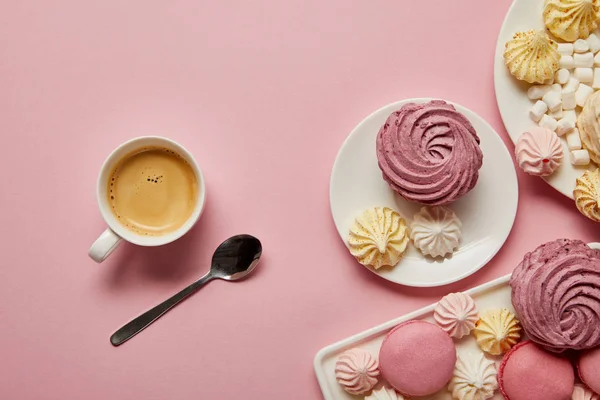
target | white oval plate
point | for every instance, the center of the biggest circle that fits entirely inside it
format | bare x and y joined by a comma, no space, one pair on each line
487,212
511,94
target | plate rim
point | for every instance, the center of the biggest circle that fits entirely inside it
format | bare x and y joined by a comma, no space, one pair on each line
482,263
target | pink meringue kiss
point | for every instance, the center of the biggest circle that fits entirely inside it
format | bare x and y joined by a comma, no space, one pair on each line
456,314
539,151
357,371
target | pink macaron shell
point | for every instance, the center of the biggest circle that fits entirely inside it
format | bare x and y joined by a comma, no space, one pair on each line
417,358
528,372
588,367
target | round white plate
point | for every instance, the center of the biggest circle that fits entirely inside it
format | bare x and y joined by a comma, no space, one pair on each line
487,212
511,94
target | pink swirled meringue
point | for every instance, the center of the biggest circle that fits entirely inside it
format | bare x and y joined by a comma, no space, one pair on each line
456,314
556,294
581,392
429,153
357,371
539,151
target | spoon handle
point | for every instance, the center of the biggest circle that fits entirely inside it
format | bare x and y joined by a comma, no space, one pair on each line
136,325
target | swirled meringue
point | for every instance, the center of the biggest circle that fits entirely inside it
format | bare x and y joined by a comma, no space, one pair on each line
532,56
539,151
378,237
571,19
497,331
475,378
436,231
587,194
385,393
357,371
456,314
556,293
581,392
588,124
429,153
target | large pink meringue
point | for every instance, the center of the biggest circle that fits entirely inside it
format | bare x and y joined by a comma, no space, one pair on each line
539,151
429,153
556,294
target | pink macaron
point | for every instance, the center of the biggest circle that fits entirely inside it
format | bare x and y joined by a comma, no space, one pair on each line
589,369
417,358
528,372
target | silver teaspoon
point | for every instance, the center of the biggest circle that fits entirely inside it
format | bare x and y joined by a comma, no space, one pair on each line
234,259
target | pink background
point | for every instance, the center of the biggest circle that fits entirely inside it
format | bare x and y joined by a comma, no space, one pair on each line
263,93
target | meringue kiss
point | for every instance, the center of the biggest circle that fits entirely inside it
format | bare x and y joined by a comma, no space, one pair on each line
539,151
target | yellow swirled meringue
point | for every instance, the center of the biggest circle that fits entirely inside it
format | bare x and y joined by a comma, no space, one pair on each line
456,314
588,124
539,151
497,331
475,378
385,394
357,371
587,194
571,19
532,56
436,231
378,237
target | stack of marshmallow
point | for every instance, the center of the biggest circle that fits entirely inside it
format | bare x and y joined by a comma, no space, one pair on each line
575,81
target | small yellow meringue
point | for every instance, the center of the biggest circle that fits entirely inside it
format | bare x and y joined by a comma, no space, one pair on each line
570,20
532,56
497,331
587,194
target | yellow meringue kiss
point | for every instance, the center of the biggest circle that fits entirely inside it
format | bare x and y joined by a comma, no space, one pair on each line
587,194
378,237
532,56
571,19
497,331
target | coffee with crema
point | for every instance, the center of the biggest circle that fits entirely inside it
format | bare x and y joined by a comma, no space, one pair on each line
153,191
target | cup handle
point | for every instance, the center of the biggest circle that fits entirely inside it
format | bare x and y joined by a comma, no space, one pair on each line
104,246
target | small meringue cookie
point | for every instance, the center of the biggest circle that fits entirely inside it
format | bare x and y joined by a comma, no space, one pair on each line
385,393
532,56
581,392
475,378
587,194
436,231
357,371
570,20
456,314
497,331
378,237
539,151
588,125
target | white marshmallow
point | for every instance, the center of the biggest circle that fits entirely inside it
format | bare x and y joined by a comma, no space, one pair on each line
596,82
556,114
556,87
581,46
570,114
584,75
549,122
582,94
562,76
597,60
565,125
593,42
553,100
573,140
567,62
538,110
571,86
538,91
580,157
585,60
565,48
569,101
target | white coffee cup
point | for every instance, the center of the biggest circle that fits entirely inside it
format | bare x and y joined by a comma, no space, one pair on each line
116,232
